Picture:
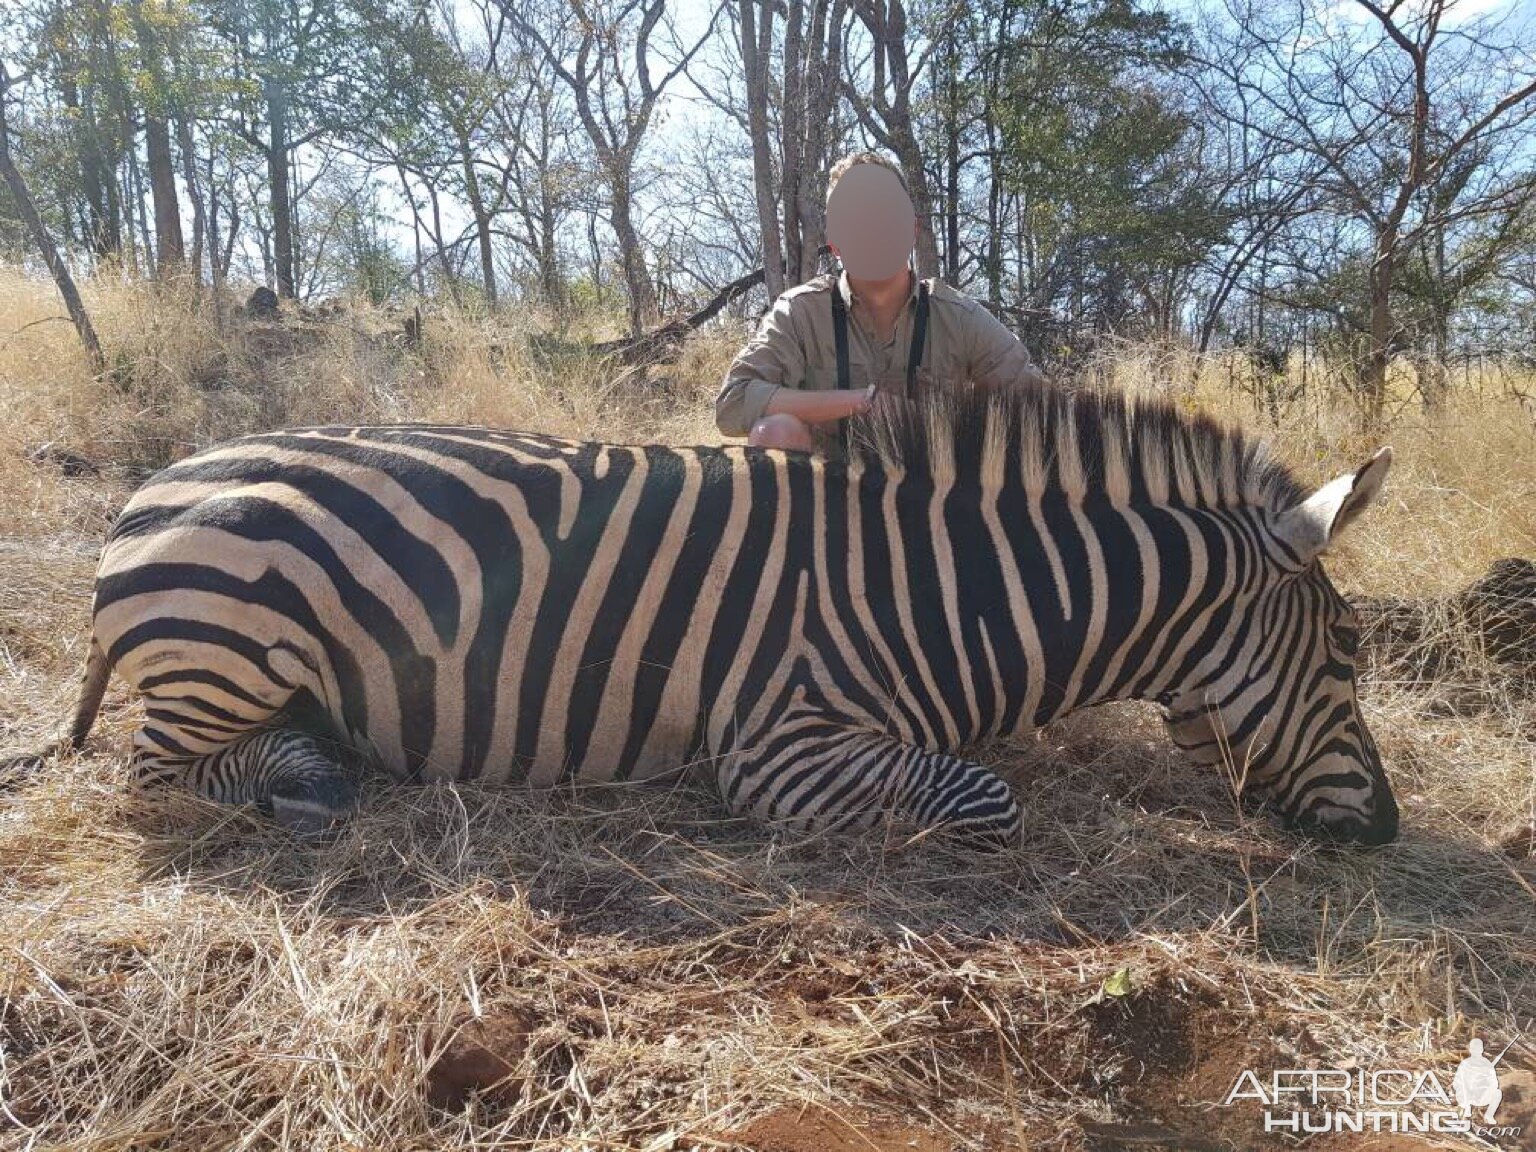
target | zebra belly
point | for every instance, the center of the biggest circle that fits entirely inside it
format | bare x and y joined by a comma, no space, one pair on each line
433,663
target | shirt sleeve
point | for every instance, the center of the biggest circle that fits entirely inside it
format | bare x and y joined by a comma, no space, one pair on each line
997,357
771,360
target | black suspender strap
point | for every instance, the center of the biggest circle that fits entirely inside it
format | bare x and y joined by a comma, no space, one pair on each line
914,356
840,334
919,338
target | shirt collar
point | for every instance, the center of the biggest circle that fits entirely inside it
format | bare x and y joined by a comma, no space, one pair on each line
846,289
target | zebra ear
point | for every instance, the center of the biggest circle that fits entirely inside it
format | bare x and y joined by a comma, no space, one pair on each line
1311,526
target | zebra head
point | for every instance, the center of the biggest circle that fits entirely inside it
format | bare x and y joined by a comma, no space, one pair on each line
1277,703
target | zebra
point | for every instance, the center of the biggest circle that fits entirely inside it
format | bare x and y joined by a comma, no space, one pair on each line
828,637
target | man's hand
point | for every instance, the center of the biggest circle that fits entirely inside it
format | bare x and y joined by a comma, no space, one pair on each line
820,407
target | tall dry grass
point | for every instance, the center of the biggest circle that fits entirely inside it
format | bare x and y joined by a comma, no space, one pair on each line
464,967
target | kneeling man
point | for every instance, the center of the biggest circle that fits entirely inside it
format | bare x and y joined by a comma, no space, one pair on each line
830,346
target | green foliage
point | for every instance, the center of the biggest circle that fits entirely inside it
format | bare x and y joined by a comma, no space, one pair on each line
1102,153
1119,983
587,295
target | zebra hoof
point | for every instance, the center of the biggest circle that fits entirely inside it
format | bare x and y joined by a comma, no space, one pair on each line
317,808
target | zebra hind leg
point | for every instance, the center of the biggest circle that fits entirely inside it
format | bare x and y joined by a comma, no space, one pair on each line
816,773
288,773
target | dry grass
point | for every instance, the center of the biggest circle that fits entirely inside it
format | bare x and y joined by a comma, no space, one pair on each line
649,974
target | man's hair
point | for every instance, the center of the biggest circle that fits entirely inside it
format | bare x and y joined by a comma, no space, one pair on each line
874,158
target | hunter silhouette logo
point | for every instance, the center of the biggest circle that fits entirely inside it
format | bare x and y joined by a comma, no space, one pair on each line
1477,1082
1313,1100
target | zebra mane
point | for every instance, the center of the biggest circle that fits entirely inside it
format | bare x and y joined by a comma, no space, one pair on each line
1130,450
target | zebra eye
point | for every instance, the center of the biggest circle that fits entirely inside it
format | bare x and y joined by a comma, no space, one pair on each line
1347,641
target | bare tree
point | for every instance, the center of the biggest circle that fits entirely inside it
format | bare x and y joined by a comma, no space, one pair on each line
49,251
792,116
812,67
539,170
756,55
886,112
616,102
1387,119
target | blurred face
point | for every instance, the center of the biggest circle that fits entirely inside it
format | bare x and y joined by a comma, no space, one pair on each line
1284,715
871,222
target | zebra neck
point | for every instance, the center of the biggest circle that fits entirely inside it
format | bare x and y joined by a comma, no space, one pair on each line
997,612
1137,602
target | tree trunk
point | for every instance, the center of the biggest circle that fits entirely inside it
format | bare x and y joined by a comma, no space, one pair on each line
642,295
549,257
886,21
823,66
277,185
911,158
792,137
264,243
296,243
231,234
482,218
170,248
194,194
102,230
756,50
596,251
1373,379
904,139
420,270
170,252
123,193
136,209
992,250
450,273
1434,375
215,272
551,277
109,240
951,159
993,258
45,245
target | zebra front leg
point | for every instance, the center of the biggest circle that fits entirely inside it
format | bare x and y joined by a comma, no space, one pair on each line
818,773
282,771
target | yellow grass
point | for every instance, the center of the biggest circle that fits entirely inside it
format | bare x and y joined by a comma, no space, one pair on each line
647,973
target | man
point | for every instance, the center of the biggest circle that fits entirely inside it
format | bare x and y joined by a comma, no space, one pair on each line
830,346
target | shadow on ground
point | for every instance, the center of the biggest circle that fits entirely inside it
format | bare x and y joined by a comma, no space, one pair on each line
1122,840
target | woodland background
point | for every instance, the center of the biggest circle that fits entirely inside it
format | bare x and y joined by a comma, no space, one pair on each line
1338,181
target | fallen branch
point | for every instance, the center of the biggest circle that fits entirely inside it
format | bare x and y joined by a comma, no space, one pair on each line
661,345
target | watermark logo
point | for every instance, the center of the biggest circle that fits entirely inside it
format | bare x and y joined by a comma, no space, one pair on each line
1314,1100
1476,1083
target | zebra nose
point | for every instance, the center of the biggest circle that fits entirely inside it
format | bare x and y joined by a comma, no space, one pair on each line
1384,825
1380,827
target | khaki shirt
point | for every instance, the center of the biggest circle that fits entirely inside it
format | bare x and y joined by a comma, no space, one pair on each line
795,348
